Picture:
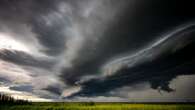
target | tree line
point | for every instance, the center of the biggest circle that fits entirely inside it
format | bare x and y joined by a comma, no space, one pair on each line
8,100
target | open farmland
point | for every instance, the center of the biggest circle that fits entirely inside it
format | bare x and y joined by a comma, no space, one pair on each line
97,106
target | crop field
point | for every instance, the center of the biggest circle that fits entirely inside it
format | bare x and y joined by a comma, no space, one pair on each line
97,106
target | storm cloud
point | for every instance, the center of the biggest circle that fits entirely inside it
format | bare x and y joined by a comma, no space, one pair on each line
78,50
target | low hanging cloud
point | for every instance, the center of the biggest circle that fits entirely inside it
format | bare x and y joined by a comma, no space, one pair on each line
81,50
22,58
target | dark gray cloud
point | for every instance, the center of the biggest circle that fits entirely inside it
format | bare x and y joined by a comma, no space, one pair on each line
128,33
25,88
98,45
54,89
22,58
158,71
33,14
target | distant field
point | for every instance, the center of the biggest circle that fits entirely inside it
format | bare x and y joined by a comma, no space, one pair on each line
98,106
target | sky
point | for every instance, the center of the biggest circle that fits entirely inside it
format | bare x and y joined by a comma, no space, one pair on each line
97,50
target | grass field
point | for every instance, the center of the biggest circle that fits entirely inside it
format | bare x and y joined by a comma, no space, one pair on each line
98,106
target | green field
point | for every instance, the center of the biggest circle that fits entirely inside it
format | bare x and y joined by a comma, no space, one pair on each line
98,106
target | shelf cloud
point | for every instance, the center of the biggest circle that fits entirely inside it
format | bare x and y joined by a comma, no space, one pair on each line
97,49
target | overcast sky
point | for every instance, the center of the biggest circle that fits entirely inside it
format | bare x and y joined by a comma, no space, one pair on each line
97,50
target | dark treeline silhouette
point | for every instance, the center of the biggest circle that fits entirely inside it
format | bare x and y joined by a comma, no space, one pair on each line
8,100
